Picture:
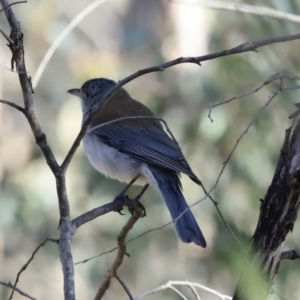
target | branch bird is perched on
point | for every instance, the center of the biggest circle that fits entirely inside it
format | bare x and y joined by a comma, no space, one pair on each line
128,148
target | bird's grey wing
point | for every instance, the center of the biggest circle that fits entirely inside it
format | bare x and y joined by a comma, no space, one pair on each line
150,144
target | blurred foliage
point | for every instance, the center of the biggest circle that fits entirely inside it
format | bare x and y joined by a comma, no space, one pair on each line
117,39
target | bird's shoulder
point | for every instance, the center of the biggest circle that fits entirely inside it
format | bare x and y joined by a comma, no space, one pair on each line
121,105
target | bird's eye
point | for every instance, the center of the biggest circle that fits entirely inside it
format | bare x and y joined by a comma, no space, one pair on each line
87,94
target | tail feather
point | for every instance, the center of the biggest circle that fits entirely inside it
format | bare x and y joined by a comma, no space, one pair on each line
186,226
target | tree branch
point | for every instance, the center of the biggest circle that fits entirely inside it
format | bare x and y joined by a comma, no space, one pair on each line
10,285
28,262
97,212
18,60
124,286
14,105
138,213
244,8
9,5
170,285
291,254
278,214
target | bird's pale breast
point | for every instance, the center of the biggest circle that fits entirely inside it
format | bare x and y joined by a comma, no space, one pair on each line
113,163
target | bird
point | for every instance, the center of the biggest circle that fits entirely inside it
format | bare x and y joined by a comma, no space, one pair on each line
136,148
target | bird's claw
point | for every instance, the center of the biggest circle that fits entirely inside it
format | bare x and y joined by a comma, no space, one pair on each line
133,204
121,200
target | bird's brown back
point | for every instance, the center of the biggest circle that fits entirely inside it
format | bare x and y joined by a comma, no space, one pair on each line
120,105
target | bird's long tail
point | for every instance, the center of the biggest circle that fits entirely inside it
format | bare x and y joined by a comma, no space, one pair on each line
168,183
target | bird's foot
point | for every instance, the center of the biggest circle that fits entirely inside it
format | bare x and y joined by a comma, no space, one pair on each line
135,204
120,200
132,204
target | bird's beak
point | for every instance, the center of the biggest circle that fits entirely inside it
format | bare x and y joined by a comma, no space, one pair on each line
75,92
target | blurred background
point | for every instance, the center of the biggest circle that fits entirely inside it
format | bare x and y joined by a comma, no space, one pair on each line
115,40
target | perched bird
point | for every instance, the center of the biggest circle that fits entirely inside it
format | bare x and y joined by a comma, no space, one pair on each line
128,148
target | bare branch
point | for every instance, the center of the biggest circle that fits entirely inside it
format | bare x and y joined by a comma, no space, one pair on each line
129,241
96,212
272,96
65,253
28,262
8,69
131,118
10,285
194,291
244,8
138,213
6,36
16,106
170,285
254,90
291,254
124,286
9,5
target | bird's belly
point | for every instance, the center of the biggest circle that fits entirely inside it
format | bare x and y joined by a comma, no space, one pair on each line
112,162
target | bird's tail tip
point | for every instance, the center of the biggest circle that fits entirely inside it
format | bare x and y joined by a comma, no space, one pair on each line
190,233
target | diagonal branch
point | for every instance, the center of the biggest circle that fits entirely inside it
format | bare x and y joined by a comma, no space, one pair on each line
28,262
277,76
14,105
124,286
10,285
138,213
170,285
243,8
90,8
9,5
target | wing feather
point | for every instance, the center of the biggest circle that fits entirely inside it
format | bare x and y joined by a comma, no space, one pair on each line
150,144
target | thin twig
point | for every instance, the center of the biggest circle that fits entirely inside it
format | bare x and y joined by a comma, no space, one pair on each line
10,41
10,285
98,255
194,291
256,89
11,4
170,285
133,118
244,8
8,69
129,241
273,95
28,262
138,213
124,286
90,8
14,105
